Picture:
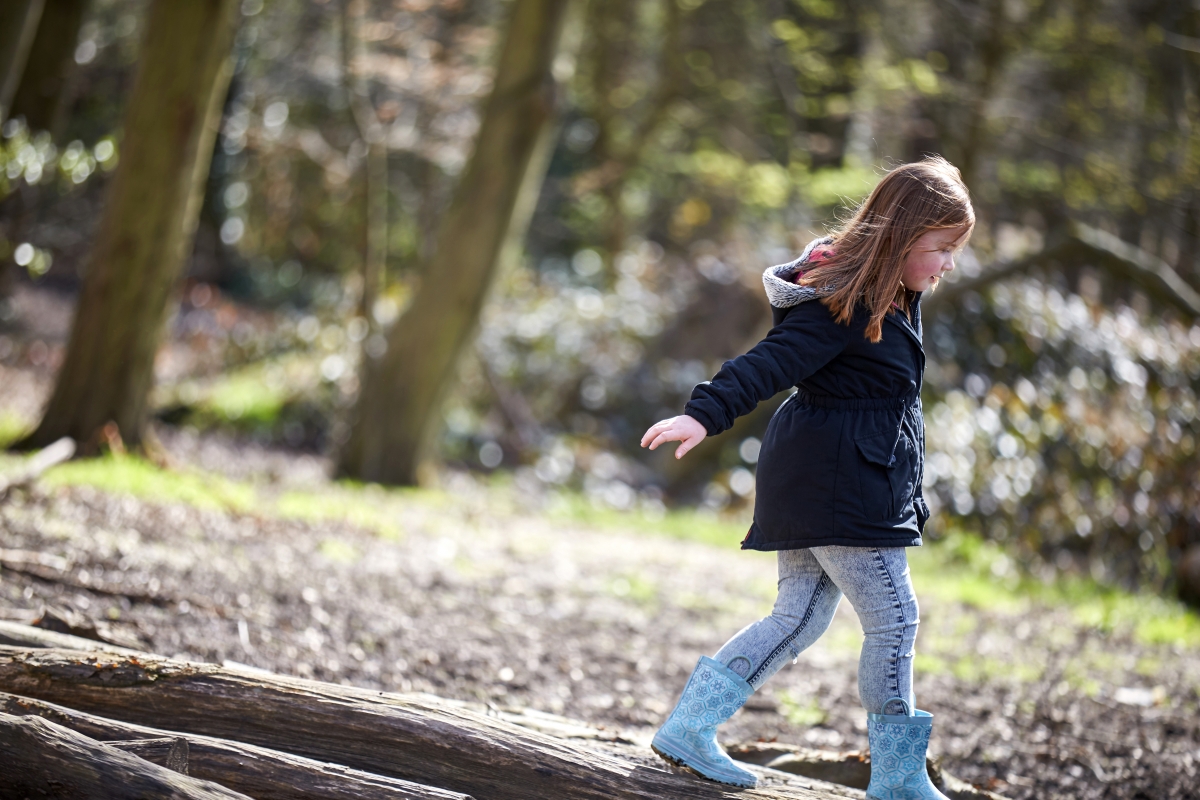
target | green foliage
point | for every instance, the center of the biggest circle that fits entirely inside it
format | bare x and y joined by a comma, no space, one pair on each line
138,477
246,396
31,157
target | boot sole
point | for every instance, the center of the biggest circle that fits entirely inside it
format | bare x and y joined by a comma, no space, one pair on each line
681,764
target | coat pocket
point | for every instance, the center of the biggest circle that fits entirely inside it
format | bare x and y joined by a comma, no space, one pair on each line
887,474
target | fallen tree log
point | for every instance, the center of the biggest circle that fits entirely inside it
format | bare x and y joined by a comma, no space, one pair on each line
261,773
851,768
42,759
415,738
14,634
73,623
847,769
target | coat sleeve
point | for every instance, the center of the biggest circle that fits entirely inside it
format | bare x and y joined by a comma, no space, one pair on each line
805,340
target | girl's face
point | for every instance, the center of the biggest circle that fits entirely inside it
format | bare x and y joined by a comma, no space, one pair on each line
932,257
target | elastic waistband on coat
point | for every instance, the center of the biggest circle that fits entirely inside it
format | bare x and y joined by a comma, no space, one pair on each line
855,403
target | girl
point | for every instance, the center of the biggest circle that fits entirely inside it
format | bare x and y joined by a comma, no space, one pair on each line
839,473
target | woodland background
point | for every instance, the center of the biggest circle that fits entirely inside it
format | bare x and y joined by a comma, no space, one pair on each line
355,302
695,143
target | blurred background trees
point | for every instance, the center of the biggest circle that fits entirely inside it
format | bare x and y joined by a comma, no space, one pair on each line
146,230
698,143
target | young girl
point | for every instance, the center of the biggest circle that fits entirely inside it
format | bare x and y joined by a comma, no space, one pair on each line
839,473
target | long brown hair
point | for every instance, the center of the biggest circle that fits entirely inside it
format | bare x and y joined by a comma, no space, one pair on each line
870,248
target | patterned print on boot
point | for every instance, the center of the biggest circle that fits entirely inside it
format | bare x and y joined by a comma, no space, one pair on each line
689,736
898,747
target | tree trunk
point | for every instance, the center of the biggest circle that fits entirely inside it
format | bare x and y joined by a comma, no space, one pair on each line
42,94
18,24
42,759
401,390
412,737
373,135
148,224
256,771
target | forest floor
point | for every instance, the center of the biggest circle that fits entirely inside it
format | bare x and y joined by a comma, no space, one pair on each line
481,591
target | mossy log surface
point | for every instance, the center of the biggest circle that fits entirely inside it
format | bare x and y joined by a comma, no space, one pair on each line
415,738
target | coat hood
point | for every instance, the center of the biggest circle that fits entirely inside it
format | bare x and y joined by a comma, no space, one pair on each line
781,292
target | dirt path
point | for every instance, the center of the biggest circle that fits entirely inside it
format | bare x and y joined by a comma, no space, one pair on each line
473,597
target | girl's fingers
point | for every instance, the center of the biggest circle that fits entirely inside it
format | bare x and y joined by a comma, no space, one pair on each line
653,430
685,446
662,438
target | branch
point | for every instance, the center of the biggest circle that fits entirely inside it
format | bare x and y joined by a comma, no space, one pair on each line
1085,244
948,291
1146,269
44,459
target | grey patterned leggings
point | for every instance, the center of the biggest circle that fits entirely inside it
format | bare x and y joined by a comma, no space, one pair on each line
811,584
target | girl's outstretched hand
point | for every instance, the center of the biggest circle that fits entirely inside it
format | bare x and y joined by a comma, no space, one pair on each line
683,429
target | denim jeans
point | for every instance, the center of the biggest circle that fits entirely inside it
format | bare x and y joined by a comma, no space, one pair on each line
811,584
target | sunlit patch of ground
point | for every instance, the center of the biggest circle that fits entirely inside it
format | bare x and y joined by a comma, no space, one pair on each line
476,591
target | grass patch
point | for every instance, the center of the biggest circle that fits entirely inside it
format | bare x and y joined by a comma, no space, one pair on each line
339,551
246,398
966,569
635,587
255,396
361,506
685,524
140,478
801,712
12,428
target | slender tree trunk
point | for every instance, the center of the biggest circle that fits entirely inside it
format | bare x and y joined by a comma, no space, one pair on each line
42,94
18,24
372,133
148,223
402,389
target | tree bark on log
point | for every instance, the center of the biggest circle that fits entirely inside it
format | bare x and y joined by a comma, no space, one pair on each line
401,390
171,753
14,634
149,220
256,771
42,759
415,738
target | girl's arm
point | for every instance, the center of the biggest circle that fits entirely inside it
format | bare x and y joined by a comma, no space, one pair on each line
807,339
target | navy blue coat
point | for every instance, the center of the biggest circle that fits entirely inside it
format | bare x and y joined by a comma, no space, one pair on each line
842,459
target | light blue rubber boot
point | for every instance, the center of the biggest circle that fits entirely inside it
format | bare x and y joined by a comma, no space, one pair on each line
689,736
898,745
